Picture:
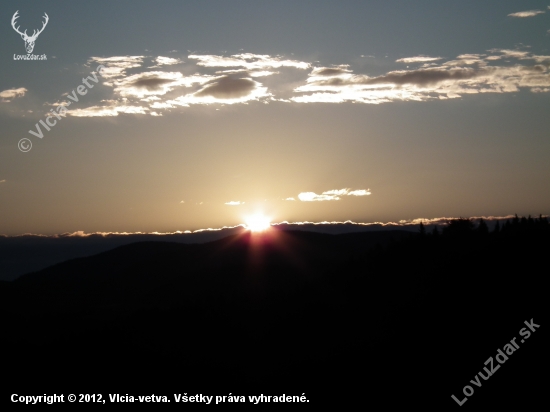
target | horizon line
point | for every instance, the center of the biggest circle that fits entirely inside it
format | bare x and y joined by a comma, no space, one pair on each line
439,221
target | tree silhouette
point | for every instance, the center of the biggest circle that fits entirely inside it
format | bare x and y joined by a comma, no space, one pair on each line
459,227
422,229
482,228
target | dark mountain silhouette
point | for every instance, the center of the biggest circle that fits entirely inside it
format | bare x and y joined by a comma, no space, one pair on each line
30,253
350,319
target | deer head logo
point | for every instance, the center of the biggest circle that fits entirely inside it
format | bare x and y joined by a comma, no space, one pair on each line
29,40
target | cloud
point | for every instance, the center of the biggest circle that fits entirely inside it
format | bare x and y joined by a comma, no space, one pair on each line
261,73
410,224
244,72
466,60
527,13
467,74
234,79
150,82
93,111
102,111
336,192
440,221
155,83
248,61
116,66
360,192
290,198
234,203
329,71
9,94
167,60
312,197
160,105
164,90
506,53
82,234
422,77
418,59
224,89
331,195
228,88
164,61
3,181
541,59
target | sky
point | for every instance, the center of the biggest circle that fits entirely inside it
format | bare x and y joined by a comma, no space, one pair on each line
171,116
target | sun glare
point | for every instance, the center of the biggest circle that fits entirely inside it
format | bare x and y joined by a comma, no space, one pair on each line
257,223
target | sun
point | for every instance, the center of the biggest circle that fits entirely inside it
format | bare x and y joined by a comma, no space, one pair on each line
257,222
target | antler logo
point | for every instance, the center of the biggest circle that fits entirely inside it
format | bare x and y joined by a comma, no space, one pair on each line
29,40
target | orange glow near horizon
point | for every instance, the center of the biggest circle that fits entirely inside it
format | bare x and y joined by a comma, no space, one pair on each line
257,222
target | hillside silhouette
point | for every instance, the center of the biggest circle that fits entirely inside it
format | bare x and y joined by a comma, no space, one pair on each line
27,253
393,317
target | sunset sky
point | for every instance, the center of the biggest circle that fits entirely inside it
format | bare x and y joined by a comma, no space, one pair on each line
208,112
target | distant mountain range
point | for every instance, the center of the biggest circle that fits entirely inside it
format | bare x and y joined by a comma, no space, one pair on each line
29,253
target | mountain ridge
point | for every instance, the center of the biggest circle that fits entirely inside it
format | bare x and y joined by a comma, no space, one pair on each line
283,311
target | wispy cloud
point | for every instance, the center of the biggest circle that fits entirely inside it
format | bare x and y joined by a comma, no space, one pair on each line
248,61
166,61
330,71
467,74
418,59
155,83
410,223
102,111
116,66
507,53
234,203
439,221
251,73
130,86
7,95
3,181
226,90
331,195
361,192
226,87
527,13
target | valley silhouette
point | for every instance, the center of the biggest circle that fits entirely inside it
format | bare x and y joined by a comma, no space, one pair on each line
393,317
